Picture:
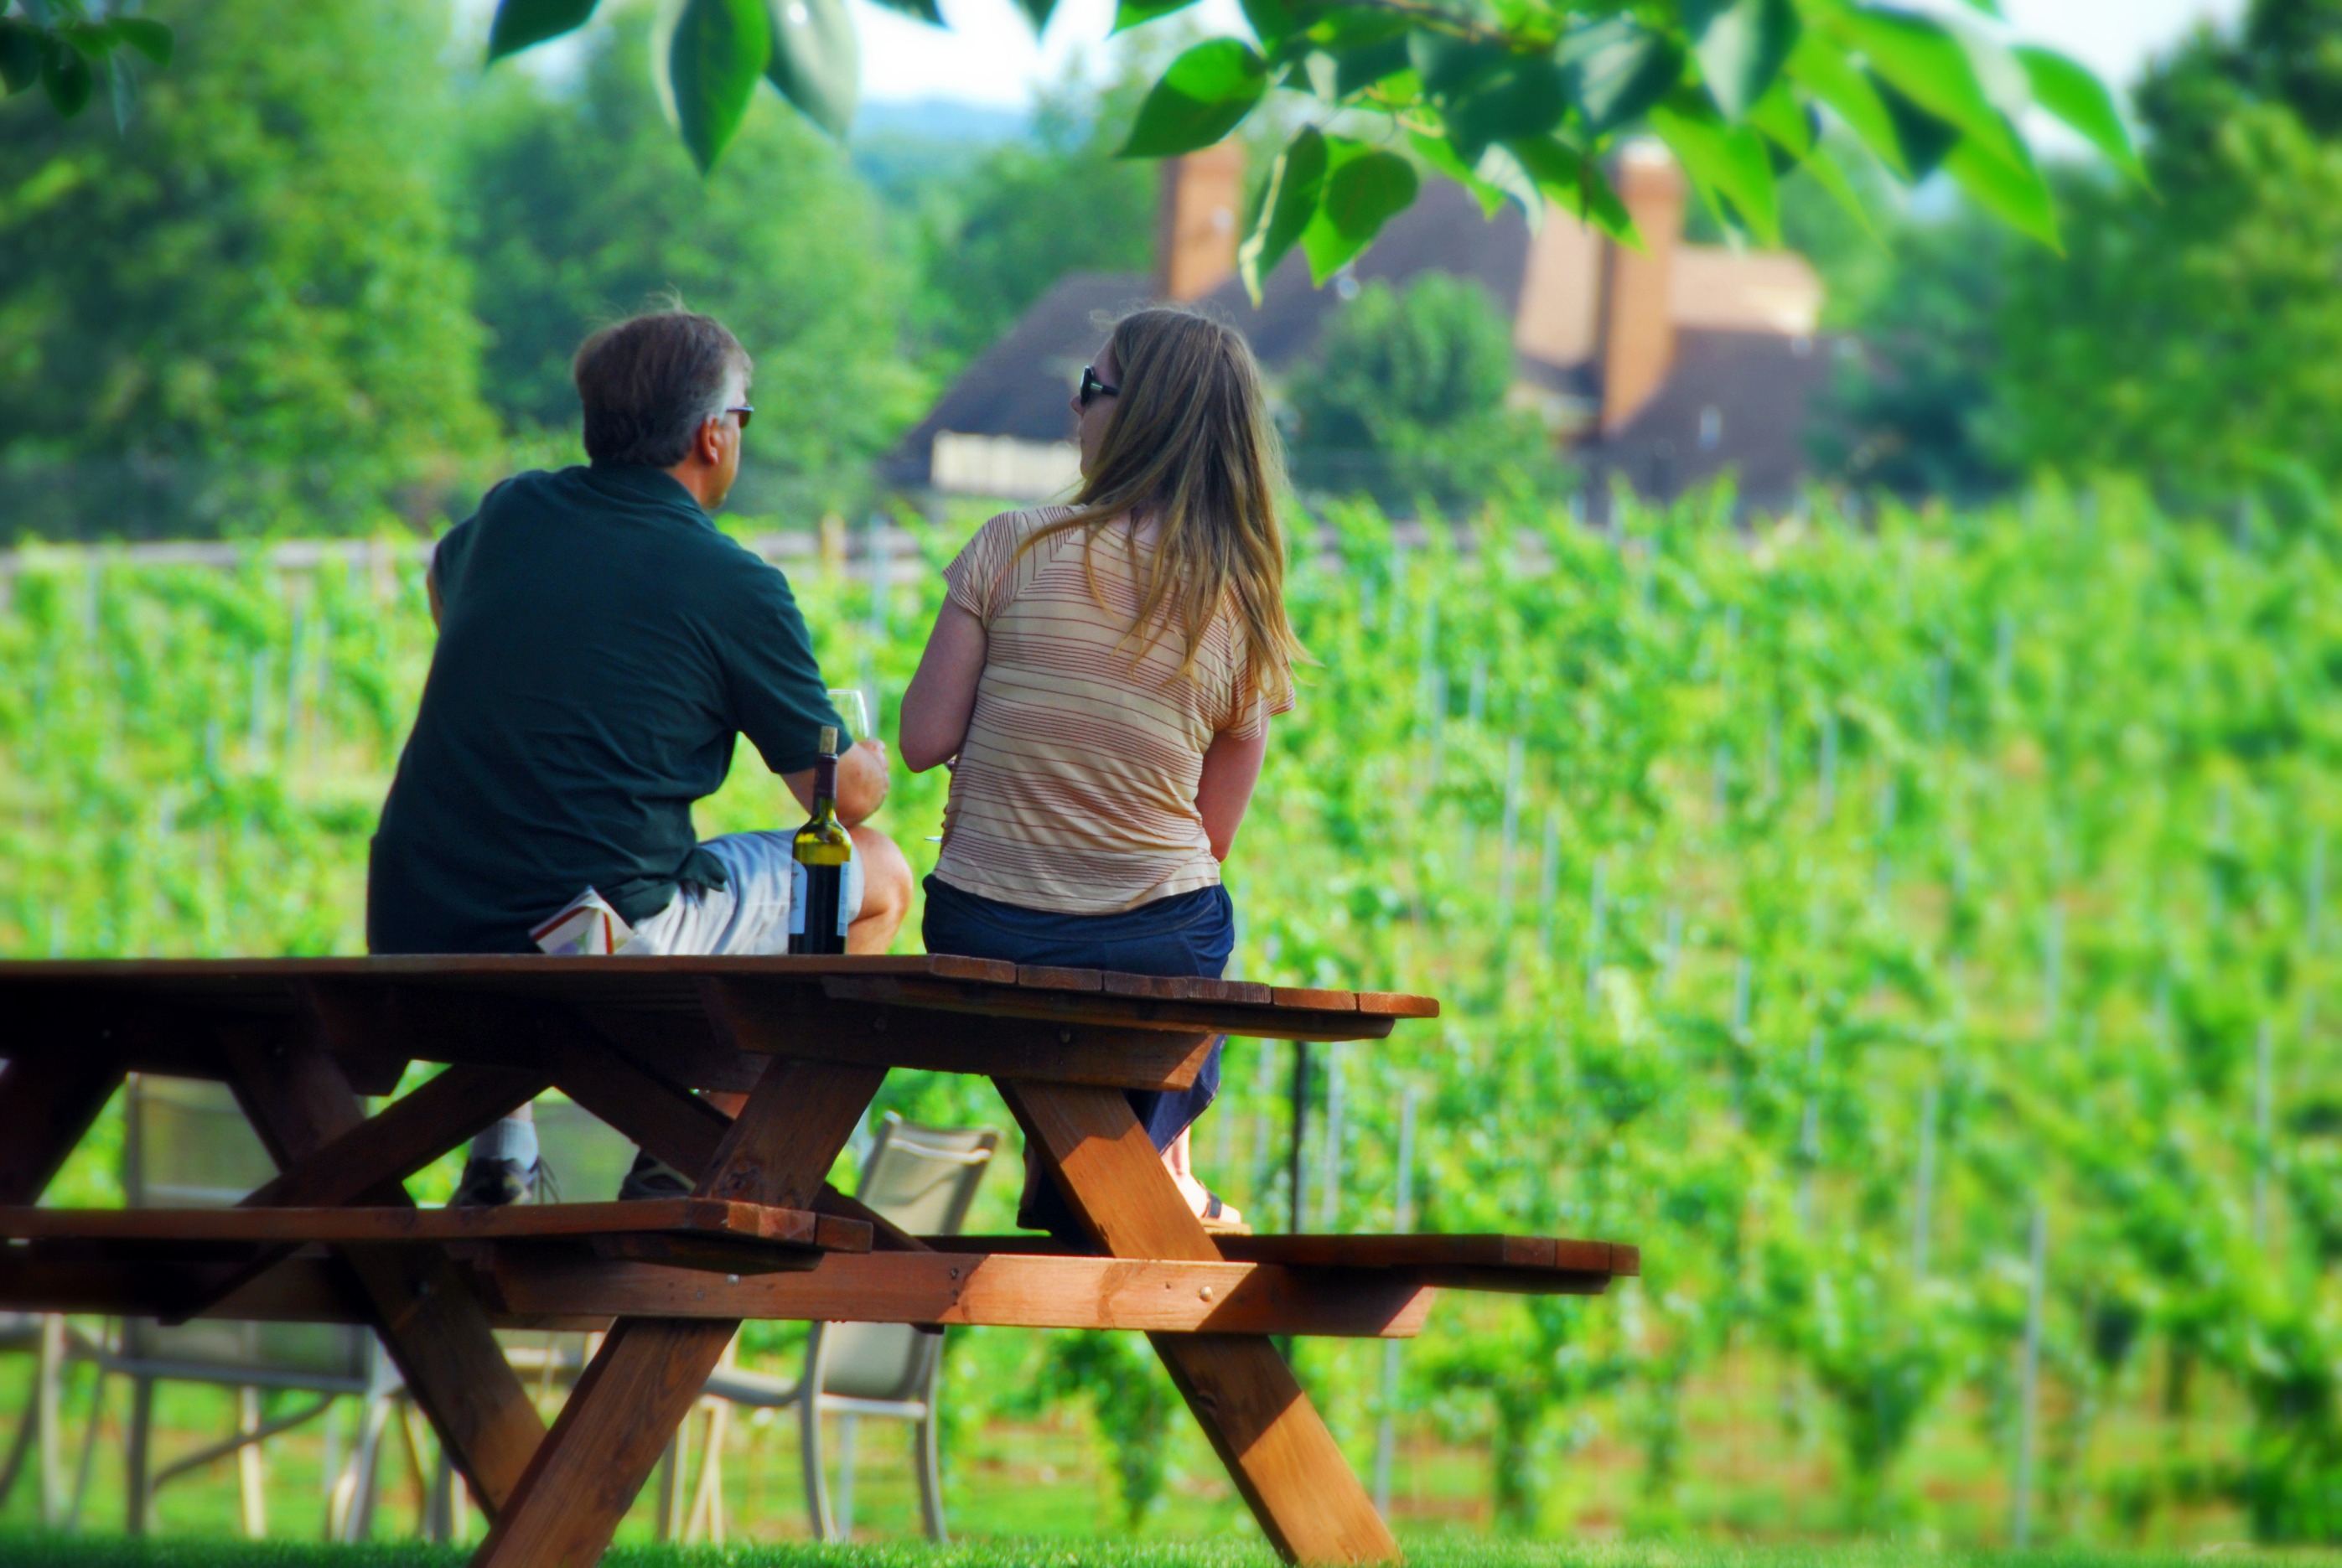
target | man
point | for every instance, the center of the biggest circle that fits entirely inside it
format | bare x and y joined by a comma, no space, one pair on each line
601,649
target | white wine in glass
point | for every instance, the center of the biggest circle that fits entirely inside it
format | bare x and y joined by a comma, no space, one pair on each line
854,711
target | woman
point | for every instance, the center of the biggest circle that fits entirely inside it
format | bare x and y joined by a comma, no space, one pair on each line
1104,674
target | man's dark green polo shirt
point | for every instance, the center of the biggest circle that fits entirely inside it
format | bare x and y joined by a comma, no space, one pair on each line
600,647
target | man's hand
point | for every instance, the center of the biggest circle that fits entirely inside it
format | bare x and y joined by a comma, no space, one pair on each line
863,779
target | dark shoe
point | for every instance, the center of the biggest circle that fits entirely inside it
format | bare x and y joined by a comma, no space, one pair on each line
492,1184
651,1179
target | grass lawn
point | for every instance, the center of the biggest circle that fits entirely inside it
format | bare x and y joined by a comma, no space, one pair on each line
49,1551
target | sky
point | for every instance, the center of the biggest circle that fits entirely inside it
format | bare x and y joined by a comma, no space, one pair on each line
990,57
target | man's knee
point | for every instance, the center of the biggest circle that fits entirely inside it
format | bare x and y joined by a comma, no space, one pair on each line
885,872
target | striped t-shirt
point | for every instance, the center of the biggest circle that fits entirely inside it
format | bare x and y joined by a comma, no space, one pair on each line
1075,787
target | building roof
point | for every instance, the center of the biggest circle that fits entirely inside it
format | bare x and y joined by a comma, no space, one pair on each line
1733,400
1019,387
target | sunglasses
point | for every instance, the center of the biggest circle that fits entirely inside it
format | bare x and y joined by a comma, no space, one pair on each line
1092,388
747,411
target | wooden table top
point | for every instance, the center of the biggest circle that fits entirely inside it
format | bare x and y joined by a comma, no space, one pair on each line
265,984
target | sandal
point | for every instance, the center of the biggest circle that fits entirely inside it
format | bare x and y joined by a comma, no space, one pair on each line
1213,1225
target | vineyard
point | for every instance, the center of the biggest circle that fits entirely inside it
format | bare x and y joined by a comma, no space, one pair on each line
1914,932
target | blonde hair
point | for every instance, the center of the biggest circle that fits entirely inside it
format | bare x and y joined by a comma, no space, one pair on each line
1189,447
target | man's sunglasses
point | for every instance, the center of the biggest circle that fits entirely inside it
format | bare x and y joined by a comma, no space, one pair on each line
1092,388
747,411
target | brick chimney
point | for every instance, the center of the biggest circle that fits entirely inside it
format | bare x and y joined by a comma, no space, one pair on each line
1638,334
1195,223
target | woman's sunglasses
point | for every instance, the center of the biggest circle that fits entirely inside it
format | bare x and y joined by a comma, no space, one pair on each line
1092,388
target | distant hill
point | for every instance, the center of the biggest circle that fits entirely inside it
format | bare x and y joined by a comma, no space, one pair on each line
916,145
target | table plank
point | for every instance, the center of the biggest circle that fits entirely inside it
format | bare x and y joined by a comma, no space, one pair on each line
650,1370
46,1102
1007,1290
707,1216
1276,1449
430,1322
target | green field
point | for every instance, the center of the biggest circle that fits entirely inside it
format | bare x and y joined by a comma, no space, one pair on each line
1814,907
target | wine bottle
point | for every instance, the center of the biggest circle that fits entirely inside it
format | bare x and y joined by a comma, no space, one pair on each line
817,911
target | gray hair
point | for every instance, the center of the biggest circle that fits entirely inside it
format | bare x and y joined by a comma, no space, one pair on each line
649,382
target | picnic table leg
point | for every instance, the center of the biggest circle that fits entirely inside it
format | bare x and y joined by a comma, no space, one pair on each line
1277,1451
432,1323
650,1371
47,1104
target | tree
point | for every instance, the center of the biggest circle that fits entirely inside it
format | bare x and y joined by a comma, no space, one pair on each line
248,298
1405,399
2197,339
1520,103
577,208
1058,202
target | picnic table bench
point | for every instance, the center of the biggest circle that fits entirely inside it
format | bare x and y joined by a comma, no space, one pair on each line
651,1046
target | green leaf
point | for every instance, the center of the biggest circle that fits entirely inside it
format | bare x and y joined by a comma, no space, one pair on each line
1204,94
1038,11
1721,160
1440,153
1923,139
1741,46
66,74
1296,182
1617,69
1450,66
1527,98
522,22
816,61
1822,165
123,87
1568,178
21,52
1131,13
150,38
1926,63
1364,189
95,40
1274,21
1357,69
721,48
2019,198
1819,64
42,11
2069,92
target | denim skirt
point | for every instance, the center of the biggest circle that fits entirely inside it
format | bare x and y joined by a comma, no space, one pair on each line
1189,933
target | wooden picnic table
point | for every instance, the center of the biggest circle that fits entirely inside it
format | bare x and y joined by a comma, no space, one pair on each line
641,1042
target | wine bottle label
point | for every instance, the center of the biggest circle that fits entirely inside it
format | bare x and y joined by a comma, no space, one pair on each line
798,893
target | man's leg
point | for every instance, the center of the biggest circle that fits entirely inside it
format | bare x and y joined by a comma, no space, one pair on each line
885,893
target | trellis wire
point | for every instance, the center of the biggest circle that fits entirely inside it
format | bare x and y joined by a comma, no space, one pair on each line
1402,1218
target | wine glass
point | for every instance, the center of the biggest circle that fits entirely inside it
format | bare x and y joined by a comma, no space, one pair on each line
854,710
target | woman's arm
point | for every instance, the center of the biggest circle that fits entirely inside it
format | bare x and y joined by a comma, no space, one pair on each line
933,720
1231,767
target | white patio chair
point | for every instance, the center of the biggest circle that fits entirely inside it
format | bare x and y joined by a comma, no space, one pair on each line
923,1179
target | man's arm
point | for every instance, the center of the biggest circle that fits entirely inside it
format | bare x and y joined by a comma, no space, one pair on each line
862,782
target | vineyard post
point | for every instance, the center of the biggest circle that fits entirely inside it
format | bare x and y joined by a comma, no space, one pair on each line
2263,1097
1548,879
2314,892
1826,803
1513,757
2053,964
1809,1134
2029,1383
1597,920
1923,1181
1296,1178
1402,1217
1670,950
1329,1153
1743,983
